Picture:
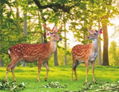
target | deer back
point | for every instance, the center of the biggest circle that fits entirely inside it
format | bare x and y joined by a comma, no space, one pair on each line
82,52
30,52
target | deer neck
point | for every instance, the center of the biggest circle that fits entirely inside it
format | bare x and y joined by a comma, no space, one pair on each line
95,45
53,45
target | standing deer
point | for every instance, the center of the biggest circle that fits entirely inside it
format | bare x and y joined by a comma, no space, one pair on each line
33,52
86,53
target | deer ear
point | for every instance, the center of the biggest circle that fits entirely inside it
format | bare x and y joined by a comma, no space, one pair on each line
47,28
54,29
90,31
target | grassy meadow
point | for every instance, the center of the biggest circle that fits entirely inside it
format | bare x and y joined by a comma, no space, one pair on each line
61,74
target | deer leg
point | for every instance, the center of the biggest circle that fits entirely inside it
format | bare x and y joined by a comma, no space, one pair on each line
74,70
12,70
6,77
7,71
93,65
47,70
14,78
72,74
10,67
39,69
86,64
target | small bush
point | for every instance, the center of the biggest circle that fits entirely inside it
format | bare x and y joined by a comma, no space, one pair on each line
54,85
11,86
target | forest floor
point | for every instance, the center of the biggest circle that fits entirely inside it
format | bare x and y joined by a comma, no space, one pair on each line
59,79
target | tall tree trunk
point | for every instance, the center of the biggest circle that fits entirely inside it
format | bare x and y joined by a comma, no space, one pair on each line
65,38
25,24
105,35
56,58
65,45
105,44
1,63
19,28
99,47
43,37
41,28
25,30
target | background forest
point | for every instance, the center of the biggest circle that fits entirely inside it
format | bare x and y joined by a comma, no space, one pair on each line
21,22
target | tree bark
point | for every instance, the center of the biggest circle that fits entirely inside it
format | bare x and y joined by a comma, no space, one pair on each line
1,63
25,24
56,58
25,31
19,28
105,44
99,47
53,6
105,35
65,46
99,51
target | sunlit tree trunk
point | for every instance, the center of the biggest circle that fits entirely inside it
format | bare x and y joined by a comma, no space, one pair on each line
105,35
25,24
105,44
17,16
99,47
56,58
65,45
25,29
1,63
40,28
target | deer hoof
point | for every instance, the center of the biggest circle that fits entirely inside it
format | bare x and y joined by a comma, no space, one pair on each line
14,81
38,80
74,79
45,79
4,80
94,82
85,83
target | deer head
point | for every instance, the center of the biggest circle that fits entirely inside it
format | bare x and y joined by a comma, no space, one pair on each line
94,34
53,33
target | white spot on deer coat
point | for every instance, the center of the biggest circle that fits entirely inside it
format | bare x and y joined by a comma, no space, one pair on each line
8,51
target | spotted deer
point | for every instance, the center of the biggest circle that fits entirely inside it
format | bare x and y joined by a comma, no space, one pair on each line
86,53
34,52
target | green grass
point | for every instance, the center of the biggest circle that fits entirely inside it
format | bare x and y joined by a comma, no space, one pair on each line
62,74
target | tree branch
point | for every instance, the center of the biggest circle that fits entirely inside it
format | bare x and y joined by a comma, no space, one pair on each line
53,6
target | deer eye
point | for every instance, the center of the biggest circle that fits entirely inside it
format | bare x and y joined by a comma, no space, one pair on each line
54,35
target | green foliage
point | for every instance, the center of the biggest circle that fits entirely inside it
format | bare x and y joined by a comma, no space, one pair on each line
113,53
90,87
54,85
99,87
11,86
